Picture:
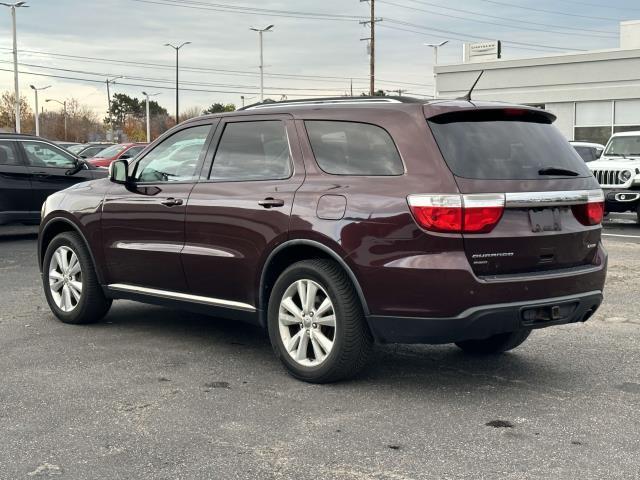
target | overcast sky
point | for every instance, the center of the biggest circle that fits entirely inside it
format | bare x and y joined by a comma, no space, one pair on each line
135,30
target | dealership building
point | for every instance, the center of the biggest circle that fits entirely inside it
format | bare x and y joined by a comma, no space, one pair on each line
593,94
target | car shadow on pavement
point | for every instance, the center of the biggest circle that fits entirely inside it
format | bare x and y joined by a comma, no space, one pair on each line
406,367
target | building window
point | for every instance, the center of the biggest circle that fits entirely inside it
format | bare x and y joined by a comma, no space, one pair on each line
626,116
597,121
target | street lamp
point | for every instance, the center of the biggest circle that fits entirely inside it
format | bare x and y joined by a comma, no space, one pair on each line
147,95
108,81
37,113
13,7
260,32
435,47
64,115
177,49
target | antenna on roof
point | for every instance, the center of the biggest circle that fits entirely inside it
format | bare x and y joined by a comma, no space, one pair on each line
467,97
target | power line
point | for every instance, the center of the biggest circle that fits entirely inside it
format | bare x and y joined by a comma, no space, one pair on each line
519,20
307,15
308,77
599,5
553,12
450,32
546,30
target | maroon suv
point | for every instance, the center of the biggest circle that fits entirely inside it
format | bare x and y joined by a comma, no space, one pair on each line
337,223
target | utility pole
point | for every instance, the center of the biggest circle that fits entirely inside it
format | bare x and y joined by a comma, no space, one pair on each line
177,49
147,95
260,32
435,47
16,85
372,45
64,113
36,110
111,80
351,87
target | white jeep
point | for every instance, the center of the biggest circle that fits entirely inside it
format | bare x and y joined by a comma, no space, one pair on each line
618,173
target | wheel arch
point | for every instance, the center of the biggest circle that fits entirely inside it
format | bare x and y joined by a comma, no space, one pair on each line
290,252
56,226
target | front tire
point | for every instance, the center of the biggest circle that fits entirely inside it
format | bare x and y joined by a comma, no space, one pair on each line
70,282
500,343
316,323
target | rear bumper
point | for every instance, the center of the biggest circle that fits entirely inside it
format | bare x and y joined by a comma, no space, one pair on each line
482,322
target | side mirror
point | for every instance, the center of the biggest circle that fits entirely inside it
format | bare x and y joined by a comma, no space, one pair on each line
118,171
79,165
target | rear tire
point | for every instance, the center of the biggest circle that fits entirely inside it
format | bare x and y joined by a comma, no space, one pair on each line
326,338
500,343
70,282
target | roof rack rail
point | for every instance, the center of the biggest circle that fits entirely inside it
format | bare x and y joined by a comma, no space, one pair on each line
361,100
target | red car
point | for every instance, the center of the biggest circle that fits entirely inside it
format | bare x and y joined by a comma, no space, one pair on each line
120,151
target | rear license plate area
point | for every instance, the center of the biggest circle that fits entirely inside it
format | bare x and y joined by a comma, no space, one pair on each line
545,220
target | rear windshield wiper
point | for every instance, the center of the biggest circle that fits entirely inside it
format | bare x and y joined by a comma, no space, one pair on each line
557,171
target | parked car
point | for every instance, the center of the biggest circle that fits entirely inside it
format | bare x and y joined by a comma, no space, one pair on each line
337,223
618,173
88,150
66,144
31,169
588,151
120,151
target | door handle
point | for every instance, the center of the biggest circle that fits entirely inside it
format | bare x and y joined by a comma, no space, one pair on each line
40,174
271,202
171,202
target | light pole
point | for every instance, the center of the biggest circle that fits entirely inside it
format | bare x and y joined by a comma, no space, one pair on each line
13,7
147,95
64,106
435,47
177,49
109,81
37,114
260,32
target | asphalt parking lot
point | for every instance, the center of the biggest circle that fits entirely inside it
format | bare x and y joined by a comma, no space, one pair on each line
158,393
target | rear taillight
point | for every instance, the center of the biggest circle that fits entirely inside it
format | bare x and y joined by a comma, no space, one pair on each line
478,213
590,213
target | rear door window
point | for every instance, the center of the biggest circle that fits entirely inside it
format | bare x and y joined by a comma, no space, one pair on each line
253,151
8,155
352,148
503,144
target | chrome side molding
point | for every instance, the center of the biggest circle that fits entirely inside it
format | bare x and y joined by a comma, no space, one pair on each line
185,297
558,198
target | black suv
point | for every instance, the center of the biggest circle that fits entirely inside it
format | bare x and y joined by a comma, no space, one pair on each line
31,169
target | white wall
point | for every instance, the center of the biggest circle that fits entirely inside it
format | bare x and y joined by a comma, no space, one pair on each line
565,113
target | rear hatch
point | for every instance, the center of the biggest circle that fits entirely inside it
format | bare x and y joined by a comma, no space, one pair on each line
552,205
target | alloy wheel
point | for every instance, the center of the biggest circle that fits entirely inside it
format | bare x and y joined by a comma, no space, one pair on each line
65,279
307,322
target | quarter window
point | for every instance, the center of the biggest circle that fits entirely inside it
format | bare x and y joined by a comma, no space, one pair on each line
40,154
253,151
176,158
351,148
8,154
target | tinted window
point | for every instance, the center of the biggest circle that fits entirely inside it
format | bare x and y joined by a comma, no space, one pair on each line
503,144
588,154
8,154
350,148
174,159
132,152
40,154
252,151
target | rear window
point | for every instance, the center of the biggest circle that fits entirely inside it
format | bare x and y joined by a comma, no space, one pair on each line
352,148
503,144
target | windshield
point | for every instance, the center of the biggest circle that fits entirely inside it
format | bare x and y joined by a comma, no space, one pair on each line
624,146
111,151
503,144
76,148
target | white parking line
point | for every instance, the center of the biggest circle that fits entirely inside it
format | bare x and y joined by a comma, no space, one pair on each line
619,235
